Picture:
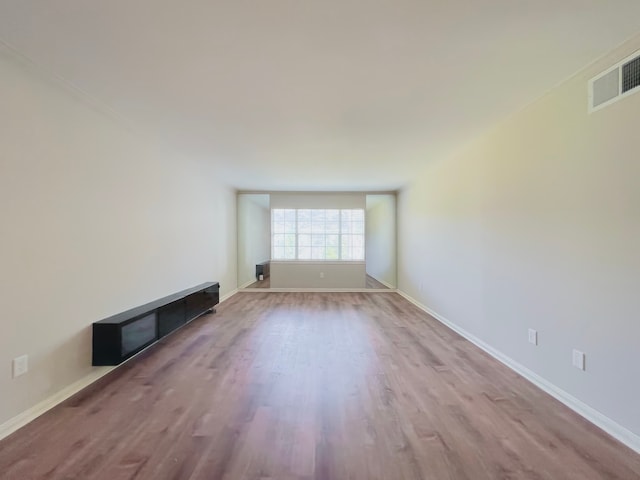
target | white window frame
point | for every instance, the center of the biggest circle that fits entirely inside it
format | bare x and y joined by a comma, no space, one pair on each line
347,229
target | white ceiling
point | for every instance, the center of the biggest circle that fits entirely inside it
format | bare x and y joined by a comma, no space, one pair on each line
320,95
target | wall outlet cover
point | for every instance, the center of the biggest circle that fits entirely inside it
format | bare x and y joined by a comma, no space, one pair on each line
20,365
578,359
533,336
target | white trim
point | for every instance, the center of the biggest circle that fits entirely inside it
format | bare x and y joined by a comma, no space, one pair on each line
20,420
613,428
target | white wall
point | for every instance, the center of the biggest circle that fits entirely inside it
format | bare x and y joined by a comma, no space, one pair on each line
381,238
254,235
537,225
95,220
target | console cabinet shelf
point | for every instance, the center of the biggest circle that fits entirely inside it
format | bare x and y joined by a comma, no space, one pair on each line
123,335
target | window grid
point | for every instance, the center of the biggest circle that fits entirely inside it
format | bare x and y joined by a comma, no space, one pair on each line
317,234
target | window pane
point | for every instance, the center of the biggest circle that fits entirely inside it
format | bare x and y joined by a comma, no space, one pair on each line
304,215
318,216
278,228
304,253
317,240
290,240
357,253
333,215
290,215
290,253
304,226
317,253
332,253
332,240
304,221
278,215
357,227
278,253
278,240
317,227
358,241
304,240
357,215
332,227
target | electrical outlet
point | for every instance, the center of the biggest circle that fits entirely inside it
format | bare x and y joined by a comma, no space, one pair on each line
578,359
20,365
533,336
321,274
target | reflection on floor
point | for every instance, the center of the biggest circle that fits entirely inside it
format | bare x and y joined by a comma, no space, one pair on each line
373,283
266,283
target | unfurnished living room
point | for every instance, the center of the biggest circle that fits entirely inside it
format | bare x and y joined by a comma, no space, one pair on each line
317,240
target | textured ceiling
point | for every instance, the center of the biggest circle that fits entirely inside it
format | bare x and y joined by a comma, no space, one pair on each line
320,95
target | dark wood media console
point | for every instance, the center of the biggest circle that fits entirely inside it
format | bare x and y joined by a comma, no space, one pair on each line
123,335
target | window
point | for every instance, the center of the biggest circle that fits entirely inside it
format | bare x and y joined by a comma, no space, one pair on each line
317,234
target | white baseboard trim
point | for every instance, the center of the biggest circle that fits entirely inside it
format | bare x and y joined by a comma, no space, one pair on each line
20,420
318,290
613,428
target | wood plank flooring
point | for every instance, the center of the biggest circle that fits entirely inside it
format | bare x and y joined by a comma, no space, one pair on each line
314,386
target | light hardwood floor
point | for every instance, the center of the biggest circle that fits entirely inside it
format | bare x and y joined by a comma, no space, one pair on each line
314,386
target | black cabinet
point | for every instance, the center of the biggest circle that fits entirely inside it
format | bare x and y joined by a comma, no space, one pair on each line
172,316
123,335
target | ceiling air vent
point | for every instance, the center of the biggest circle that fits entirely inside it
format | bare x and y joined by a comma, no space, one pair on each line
618,82
606,88
631,75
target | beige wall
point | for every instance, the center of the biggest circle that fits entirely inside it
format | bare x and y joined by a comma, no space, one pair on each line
318,275
318,200
537,225
95,220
